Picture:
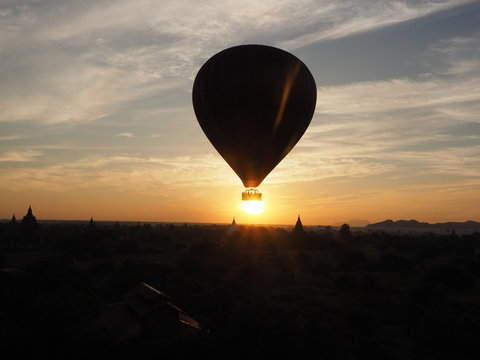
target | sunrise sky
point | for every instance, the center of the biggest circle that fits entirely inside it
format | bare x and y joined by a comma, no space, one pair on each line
96,116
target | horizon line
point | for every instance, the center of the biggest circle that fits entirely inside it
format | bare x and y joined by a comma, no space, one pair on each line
168,222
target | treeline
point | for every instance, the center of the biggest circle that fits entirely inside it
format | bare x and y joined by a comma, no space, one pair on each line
260,291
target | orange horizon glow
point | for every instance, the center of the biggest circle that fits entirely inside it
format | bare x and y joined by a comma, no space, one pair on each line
283,202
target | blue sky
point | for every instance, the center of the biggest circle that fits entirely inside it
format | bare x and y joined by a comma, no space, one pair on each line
96,116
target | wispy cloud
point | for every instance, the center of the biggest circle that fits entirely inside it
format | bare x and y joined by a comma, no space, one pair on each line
126,134
400,127
352,17
19,156
11,137
396,95
296,23
458,55
85,61
121,173
395,128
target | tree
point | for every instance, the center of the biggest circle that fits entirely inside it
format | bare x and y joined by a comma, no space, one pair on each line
345,231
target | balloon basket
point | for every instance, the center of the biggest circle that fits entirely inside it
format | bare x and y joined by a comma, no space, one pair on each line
251,194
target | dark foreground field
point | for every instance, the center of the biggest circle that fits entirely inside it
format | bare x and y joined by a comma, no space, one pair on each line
257,292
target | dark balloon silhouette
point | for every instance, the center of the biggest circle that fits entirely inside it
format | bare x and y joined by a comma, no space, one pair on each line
254,103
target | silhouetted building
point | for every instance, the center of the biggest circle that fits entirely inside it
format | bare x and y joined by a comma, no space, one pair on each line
298,226
146,309
29,219
299,236
233,227
91,223
14,220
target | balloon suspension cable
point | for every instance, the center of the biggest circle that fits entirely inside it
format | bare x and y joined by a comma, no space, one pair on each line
251,194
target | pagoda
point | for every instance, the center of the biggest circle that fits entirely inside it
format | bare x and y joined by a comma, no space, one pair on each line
298,226
233,227
29,219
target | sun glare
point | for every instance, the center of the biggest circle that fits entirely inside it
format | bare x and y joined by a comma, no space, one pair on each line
252,207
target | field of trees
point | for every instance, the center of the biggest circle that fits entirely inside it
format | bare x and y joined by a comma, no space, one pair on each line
258,291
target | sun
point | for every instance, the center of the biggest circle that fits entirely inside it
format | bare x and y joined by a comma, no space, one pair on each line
252,207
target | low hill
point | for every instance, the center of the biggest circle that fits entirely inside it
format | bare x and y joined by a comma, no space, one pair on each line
414,225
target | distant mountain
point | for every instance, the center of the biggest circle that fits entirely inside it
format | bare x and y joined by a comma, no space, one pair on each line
354,222
467,226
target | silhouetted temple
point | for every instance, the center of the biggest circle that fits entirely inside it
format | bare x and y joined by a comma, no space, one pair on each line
298,226
14,220
29,219
233,227
91,223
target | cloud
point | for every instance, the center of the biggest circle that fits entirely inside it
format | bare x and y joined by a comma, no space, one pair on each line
88,60
409,105
73,94
123,173
313,166
182,22
11,137
396,94
352,17
457,56
398,128
19,156
126,134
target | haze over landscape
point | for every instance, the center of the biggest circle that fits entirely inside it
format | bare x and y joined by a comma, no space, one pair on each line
96,116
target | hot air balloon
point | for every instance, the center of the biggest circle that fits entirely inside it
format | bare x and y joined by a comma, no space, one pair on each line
254,103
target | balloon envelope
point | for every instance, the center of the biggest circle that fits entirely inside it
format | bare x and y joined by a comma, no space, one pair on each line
254,103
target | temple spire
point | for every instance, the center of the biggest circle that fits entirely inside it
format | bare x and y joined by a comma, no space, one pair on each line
298,225
233,227
29,219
